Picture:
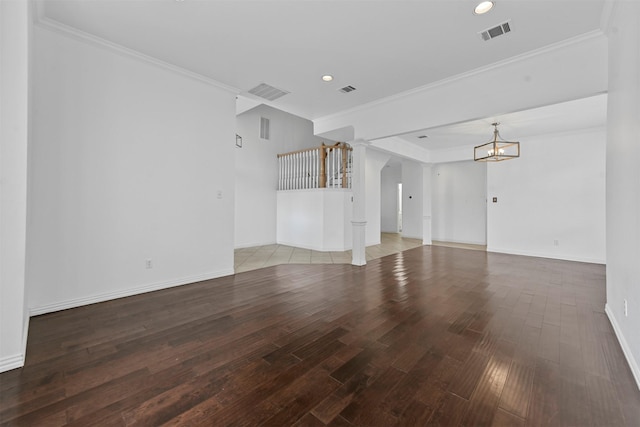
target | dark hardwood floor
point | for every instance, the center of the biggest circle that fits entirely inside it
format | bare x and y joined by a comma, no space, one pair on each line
431,336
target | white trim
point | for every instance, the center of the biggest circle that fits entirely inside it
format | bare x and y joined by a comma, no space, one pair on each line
456,241
254,244
78,302
11,362
55,26
316,248
514,59
17,361
633,365
544,255
411,236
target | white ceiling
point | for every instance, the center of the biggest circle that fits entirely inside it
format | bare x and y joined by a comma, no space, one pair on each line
381,47
582,113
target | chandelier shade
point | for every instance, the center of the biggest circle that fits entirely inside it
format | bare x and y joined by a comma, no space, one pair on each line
496,150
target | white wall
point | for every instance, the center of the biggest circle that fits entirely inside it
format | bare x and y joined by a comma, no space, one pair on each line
459,207
412,199
554,191
318,219
623,179
374,163
256,172
128,161
391,176
14,124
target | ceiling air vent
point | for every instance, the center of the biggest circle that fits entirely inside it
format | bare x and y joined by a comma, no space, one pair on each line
267,92
496,31
347,89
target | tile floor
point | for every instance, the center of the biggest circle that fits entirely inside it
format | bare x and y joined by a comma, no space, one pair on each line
253,258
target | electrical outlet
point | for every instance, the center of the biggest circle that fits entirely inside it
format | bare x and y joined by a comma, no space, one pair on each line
149,263
626,313
556,242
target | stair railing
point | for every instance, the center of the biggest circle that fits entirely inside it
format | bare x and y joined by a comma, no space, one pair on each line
327,166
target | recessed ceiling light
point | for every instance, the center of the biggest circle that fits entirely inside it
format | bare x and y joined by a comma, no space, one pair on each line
327,77
483,7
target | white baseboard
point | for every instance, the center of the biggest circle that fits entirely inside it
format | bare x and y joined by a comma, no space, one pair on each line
411,236
11,362
316,248
17,360
633,365
461,242
253,245
78,302
545,255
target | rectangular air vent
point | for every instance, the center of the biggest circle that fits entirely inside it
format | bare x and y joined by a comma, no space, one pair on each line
347,89
496,31
264,128
267,92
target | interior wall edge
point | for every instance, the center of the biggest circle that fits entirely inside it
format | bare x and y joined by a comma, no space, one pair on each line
94,299
626,350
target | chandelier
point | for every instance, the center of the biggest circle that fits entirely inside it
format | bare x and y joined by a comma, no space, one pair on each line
496,150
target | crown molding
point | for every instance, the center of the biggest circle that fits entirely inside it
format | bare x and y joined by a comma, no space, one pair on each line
55,26
449,80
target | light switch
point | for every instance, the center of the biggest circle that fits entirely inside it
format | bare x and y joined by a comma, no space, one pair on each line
219,194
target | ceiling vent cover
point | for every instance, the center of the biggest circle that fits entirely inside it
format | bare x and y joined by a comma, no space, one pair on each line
267,92
347,89
496,31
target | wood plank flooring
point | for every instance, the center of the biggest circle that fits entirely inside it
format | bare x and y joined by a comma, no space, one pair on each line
432,336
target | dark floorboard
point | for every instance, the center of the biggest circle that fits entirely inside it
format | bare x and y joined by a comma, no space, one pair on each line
433,336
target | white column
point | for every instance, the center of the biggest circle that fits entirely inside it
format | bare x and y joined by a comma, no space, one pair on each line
14,89
359,220
426,204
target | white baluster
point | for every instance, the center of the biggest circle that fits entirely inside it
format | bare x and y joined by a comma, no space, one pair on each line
288,172
329,166
298,171
339,184
310,171
309,166
305,174
314,162
333,168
